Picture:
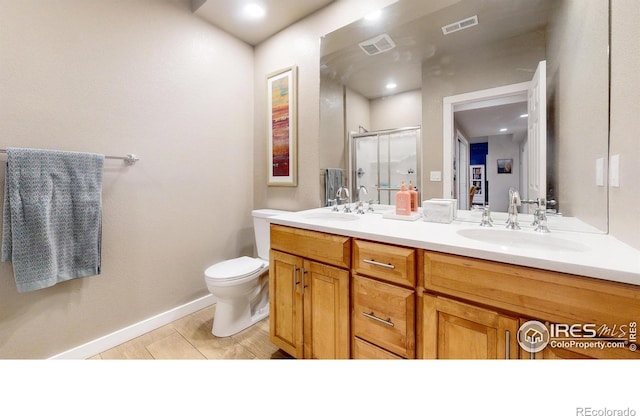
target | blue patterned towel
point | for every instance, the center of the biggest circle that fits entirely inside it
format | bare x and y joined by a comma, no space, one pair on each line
52,216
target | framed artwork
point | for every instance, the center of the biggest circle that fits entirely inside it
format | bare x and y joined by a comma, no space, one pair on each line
505,165
282,128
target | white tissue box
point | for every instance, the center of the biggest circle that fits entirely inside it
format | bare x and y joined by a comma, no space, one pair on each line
453,201
438,210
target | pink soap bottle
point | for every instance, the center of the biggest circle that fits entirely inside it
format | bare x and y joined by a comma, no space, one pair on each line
403,201
414,197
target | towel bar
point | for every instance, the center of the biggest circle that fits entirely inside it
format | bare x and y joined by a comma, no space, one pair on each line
129,159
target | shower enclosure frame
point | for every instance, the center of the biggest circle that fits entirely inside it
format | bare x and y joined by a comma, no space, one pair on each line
353,163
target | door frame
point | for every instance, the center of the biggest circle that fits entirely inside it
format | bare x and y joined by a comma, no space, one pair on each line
468,101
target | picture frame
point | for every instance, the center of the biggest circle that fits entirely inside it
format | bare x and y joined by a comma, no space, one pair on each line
505,166
282,164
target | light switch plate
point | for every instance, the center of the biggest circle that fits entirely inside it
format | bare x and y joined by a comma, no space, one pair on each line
614,171
600,171
436,176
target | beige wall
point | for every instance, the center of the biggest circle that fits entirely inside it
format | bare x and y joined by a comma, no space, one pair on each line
118,77
298,45
577,44
624,202
399,110
358,112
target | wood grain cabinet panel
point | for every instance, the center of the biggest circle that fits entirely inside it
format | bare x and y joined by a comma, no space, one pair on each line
387,262
455,330
384,314
313,245
309,300
364,350
549,296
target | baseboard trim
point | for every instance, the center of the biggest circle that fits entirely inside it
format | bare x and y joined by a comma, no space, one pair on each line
106,342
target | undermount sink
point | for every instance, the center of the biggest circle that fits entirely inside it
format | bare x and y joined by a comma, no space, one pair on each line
522,239
331,216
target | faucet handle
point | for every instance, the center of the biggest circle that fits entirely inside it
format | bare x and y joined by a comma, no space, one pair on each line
486,217
540,221
370,205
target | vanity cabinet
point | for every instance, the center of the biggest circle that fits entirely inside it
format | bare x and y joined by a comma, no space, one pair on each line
456,330
467,298
309,293
383,299
333,296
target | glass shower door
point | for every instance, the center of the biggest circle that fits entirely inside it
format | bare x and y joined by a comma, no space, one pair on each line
382,160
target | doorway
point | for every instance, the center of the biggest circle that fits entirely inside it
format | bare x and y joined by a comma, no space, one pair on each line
533,151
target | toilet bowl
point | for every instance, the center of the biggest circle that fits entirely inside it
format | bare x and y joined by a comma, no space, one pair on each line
241,285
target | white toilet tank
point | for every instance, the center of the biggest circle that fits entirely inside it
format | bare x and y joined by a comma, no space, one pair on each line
261,229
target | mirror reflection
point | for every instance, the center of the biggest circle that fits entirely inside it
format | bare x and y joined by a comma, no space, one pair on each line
488,45
383,161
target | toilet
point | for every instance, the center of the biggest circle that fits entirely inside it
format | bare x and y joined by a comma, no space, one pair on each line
241,285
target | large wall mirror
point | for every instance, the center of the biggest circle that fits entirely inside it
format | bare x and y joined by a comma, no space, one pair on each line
461,69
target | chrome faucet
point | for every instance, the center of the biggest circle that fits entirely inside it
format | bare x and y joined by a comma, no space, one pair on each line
343,195
539,215
514,203
360,207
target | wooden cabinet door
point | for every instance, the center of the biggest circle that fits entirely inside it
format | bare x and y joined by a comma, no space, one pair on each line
326,311
285,302
457,330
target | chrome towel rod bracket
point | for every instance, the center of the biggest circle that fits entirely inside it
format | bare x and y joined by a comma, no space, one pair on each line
129,159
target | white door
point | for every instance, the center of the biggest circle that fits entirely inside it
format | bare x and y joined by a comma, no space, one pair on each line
461,171
537,140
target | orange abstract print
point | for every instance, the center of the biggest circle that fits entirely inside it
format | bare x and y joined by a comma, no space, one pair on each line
280,127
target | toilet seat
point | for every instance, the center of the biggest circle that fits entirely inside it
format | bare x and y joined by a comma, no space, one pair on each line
235,269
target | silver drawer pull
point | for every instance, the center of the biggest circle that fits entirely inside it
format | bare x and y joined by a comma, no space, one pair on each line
377,263
375,318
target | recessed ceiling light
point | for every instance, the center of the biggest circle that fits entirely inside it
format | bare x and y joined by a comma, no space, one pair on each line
524,115
503,129
254,11
373,15
391,85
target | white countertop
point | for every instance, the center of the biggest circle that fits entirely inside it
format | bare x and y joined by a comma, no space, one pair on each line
581,253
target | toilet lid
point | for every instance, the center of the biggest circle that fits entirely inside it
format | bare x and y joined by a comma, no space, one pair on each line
234,268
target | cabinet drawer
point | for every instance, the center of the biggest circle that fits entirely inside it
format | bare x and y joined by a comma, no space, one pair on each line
325,248
384,315
366,351
391,263
546,295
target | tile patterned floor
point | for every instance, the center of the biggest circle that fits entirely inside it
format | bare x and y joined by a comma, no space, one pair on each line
191,338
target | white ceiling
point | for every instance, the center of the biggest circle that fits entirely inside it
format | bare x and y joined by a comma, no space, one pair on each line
487,121
227,15
415,27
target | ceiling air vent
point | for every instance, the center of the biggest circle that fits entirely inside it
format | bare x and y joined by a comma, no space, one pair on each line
379,44
462,24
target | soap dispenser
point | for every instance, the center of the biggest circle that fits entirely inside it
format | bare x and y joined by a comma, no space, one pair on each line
414,197
403,201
